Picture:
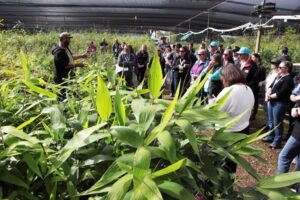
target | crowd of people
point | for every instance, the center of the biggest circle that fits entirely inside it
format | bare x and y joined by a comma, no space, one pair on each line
231,69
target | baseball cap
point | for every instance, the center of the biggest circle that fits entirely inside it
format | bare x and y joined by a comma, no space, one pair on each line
65,34
244,50
214,44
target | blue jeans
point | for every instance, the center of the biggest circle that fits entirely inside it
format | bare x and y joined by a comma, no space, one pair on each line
276,111
290,150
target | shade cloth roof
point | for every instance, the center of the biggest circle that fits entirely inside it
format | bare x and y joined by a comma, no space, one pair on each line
128,15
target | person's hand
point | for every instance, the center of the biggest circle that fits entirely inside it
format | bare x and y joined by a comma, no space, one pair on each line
293,98
81,64
269,91
295,112
212,100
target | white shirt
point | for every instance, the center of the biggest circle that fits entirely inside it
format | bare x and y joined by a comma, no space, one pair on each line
270,79
240,100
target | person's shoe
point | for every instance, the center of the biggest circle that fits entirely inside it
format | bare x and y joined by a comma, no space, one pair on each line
266,139
275,146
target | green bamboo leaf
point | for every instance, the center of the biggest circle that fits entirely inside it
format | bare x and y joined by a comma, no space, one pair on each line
81,139
96,159
281,180
19,134
165,119
218,105
167,144
119,188
25,66
171,168
127,135
189,133
32,164
40,90
28,122
120,109
103,100
8,177
141,164
282,193
228,138
112,173
53,191
155,79
191,93
175,190
147,190
73,194
252,138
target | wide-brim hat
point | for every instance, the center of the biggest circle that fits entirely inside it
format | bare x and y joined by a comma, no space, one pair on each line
65,34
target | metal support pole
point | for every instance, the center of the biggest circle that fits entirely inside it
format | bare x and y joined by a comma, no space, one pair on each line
258,39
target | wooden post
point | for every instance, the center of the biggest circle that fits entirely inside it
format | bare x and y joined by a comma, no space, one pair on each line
257,46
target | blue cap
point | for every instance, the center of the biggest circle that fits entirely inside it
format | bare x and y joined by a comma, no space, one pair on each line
214,44
244,50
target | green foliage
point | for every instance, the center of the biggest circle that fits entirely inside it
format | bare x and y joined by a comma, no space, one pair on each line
146,149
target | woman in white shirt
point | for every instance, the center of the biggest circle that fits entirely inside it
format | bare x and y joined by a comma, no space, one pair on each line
240,100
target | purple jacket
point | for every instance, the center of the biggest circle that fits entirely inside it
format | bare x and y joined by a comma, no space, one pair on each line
198,67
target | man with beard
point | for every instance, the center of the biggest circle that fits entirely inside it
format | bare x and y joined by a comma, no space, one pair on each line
64,61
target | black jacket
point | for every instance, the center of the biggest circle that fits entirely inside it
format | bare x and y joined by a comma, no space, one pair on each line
283,88
61,61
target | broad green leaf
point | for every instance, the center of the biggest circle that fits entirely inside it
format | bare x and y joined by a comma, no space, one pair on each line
155,79
72,191
165,119
103,100
112,173
218,105
32,164
141,164
127,135
249,150
19,134
58,121
237,159
189,133
53,191
145,118
281,180
8,177
147,190
79,140
251,138
119,188
191,93
25,66
120,109
282,193
40,90
172,168
227,137
175,190
96,159
167,144
28,122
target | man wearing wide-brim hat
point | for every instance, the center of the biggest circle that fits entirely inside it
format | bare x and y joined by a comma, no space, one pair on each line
64,60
